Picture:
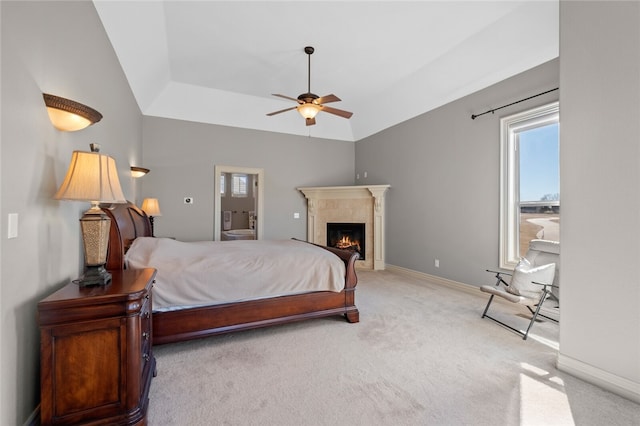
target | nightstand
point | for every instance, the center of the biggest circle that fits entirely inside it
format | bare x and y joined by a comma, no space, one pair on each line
96,357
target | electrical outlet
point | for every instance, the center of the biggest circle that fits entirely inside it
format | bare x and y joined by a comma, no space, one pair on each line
436,263
296,215
188,200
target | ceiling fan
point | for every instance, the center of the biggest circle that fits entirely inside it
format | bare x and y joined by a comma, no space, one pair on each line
311,104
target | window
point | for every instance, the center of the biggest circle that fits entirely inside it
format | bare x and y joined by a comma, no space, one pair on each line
239,185
223,189
529,181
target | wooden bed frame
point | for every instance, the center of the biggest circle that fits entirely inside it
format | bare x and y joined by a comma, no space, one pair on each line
129,222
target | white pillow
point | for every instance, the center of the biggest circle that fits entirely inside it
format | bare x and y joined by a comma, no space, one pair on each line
524,274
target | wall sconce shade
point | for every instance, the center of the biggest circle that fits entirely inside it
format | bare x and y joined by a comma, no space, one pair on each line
137,172
93,177
152,208
68,115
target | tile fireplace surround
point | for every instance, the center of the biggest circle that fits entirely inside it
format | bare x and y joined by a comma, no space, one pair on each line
349,204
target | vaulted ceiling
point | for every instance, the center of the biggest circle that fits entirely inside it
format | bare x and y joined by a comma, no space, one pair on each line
220,62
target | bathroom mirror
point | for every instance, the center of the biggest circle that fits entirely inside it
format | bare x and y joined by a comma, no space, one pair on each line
238,201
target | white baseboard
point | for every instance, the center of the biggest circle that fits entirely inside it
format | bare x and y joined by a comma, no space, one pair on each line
616,384
435,279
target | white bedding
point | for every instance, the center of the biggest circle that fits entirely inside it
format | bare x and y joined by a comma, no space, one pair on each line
212,272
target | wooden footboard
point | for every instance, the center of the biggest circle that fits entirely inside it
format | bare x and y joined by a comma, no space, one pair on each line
194,323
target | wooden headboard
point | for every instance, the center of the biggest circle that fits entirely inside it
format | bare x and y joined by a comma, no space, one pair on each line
128,222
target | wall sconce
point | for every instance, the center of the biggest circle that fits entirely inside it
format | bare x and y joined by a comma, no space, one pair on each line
93,177
68,115
152,208
137,172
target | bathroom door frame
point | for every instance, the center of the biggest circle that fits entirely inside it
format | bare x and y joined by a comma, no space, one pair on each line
217,208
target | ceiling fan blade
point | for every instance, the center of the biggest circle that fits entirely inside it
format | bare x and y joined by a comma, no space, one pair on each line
282,110
287,97
310,121
328,98
339,112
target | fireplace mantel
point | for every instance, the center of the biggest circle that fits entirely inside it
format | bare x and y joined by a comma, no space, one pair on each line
360,203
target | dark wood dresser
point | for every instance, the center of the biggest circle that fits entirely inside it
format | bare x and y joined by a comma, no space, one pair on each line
96,357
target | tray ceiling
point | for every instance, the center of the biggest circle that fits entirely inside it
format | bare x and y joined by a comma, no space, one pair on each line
219,62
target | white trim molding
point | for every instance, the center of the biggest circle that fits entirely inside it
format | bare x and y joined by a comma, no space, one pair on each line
217,208
467,288
510,128
616,384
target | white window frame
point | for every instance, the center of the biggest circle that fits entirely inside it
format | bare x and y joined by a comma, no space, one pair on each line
236,189
510,127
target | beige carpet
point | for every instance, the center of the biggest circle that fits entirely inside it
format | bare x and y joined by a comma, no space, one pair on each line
420,355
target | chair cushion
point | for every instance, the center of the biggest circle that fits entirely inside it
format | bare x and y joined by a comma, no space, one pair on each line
523,275
498,291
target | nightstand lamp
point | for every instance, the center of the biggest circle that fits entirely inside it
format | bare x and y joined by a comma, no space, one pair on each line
93,177
152,208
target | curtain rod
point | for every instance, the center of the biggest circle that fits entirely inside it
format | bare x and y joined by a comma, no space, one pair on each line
474,116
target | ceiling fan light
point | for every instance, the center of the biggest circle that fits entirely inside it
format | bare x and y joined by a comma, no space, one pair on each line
308,110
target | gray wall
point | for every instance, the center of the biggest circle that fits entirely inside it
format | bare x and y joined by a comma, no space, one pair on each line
182,156
443,169
600,159
442,166
59,48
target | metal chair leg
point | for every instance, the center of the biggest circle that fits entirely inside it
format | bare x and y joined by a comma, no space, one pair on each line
487,308
535,315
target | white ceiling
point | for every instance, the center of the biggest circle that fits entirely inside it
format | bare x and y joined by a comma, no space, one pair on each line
219,61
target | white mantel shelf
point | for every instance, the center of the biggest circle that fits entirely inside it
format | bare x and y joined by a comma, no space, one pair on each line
363,203
333,192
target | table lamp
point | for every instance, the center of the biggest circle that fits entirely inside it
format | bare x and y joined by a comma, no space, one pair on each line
93,177
152,208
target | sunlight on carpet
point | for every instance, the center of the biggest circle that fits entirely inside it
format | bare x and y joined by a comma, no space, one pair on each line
542,398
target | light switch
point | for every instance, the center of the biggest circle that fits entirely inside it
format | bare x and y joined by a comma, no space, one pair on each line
12,228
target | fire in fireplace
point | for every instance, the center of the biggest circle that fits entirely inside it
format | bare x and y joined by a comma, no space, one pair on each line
349,236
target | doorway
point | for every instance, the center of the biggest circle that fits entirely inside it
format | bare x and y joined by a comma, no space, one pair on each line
241,200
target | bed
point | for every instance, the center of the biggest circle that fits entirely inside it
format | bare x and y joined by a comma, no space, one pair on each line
128,223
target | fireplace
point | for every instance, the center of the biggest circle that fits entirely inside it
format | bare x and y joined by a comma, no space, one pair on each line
349,236
362,204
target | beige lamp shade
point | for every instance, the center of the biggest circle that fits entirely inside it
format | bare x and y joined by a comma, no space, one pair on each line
151,207
91,177
68,115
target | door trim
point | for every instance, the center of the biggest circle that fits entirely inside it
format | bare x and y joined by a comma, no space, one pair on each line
217,210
